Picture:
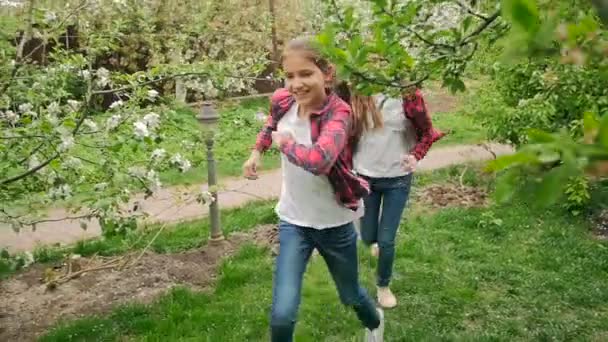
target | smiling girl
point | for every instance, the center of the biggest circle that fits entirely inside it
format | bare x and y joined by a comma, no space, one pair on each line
320,196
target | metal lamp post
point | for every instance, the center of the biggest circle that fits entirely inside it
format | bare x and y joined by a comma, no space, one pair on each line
208,118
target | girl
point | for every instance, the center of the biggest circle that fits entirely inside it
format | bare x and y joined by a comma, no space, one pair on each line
320,195
395,135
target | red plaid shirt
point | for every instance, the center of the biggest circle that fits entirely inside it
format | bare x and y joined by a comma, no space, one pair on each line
415,110
331,152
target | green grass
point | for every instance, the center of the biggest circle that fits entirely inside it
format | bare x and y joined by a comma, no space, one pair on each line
458,275
464,127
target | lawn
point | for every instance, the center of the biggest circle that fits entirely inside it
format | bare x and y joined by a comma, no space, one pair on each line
501,273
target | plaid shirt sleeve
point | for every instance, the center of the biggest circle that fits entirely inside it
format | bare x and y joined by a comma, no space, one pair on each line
319,158
277,103
415,110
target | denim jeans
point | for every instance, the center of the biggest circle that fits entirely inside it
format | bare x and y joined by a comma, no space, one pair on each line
338,246
383,211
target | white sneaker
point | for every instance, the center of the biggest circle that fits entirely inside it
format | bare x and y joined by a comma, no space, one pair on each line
386,298
377,335
375,250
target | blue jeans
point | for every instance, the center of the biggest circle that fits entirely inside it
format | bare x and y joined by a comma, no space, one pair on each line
380,226
338,246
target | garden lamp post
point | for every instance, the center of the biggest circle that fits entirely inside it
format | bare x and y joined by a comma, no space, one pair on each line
208,118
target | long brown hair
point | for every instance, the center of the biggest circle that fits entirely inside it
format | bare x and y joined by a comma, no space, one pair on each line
366,114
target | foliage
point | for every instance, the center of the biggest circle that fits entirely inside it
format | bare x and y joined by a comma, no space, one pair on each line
57,138
389,46
554,69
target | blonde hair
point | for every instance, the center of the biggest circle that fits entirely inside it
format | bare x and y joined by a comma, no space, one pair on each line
366,114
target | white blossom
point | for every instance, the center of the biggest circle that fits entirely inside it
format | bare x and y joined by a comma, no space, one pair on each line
11,117
113,121
33,162
25,107
152,94
153,180
116,104
67,141
72,163
52,119
152,120
103,77
86,74
49,17
137,171
90,124
53,108
140,129
63,191
158,153
74,105
182,163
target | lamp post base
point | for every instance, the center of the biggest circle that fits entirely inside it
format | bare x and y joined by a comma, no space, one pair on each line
217,239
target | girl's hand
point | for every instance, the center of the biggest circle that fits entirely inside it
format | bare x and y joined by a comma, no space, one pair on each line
250,168
408,163
278,138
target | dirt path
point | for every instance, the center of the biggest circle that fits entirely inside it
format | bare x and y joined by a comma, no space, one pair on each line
166,206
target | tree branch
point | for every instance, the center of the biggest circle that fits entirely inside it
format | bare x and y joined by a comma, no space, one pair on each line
470,10
469,38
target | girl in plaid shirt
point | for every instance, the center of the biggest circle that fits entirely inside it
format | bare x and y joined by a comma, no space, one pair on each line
395,133
320,196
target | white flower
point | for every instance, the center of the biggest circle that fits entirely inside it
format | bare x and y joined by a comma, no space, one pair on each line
152,120
67,141
86,74
113,121
103,77
152,94
188,145
154,181
11,117
90,124
159,153
140,129
116,104
137,171
182,164
25,107
72,163
33,162
74,105
52,119
54,108
50,17
64,191
100,186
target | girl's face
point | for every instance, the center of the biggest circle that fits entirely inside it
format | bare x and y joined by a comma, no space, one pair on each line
305,80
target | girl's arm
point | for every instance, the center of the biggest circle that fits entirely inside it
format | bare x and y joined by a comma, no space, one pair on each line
415,109
321,156
279,103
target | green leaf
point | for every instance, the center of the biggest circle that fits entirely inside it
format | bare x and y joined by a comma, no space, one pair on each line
523,13
591,125
538,136
506,161
551,186
506,186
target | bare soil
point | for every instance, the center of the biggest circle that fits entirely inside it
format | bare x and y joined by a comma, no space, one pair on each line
28,308
451,195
